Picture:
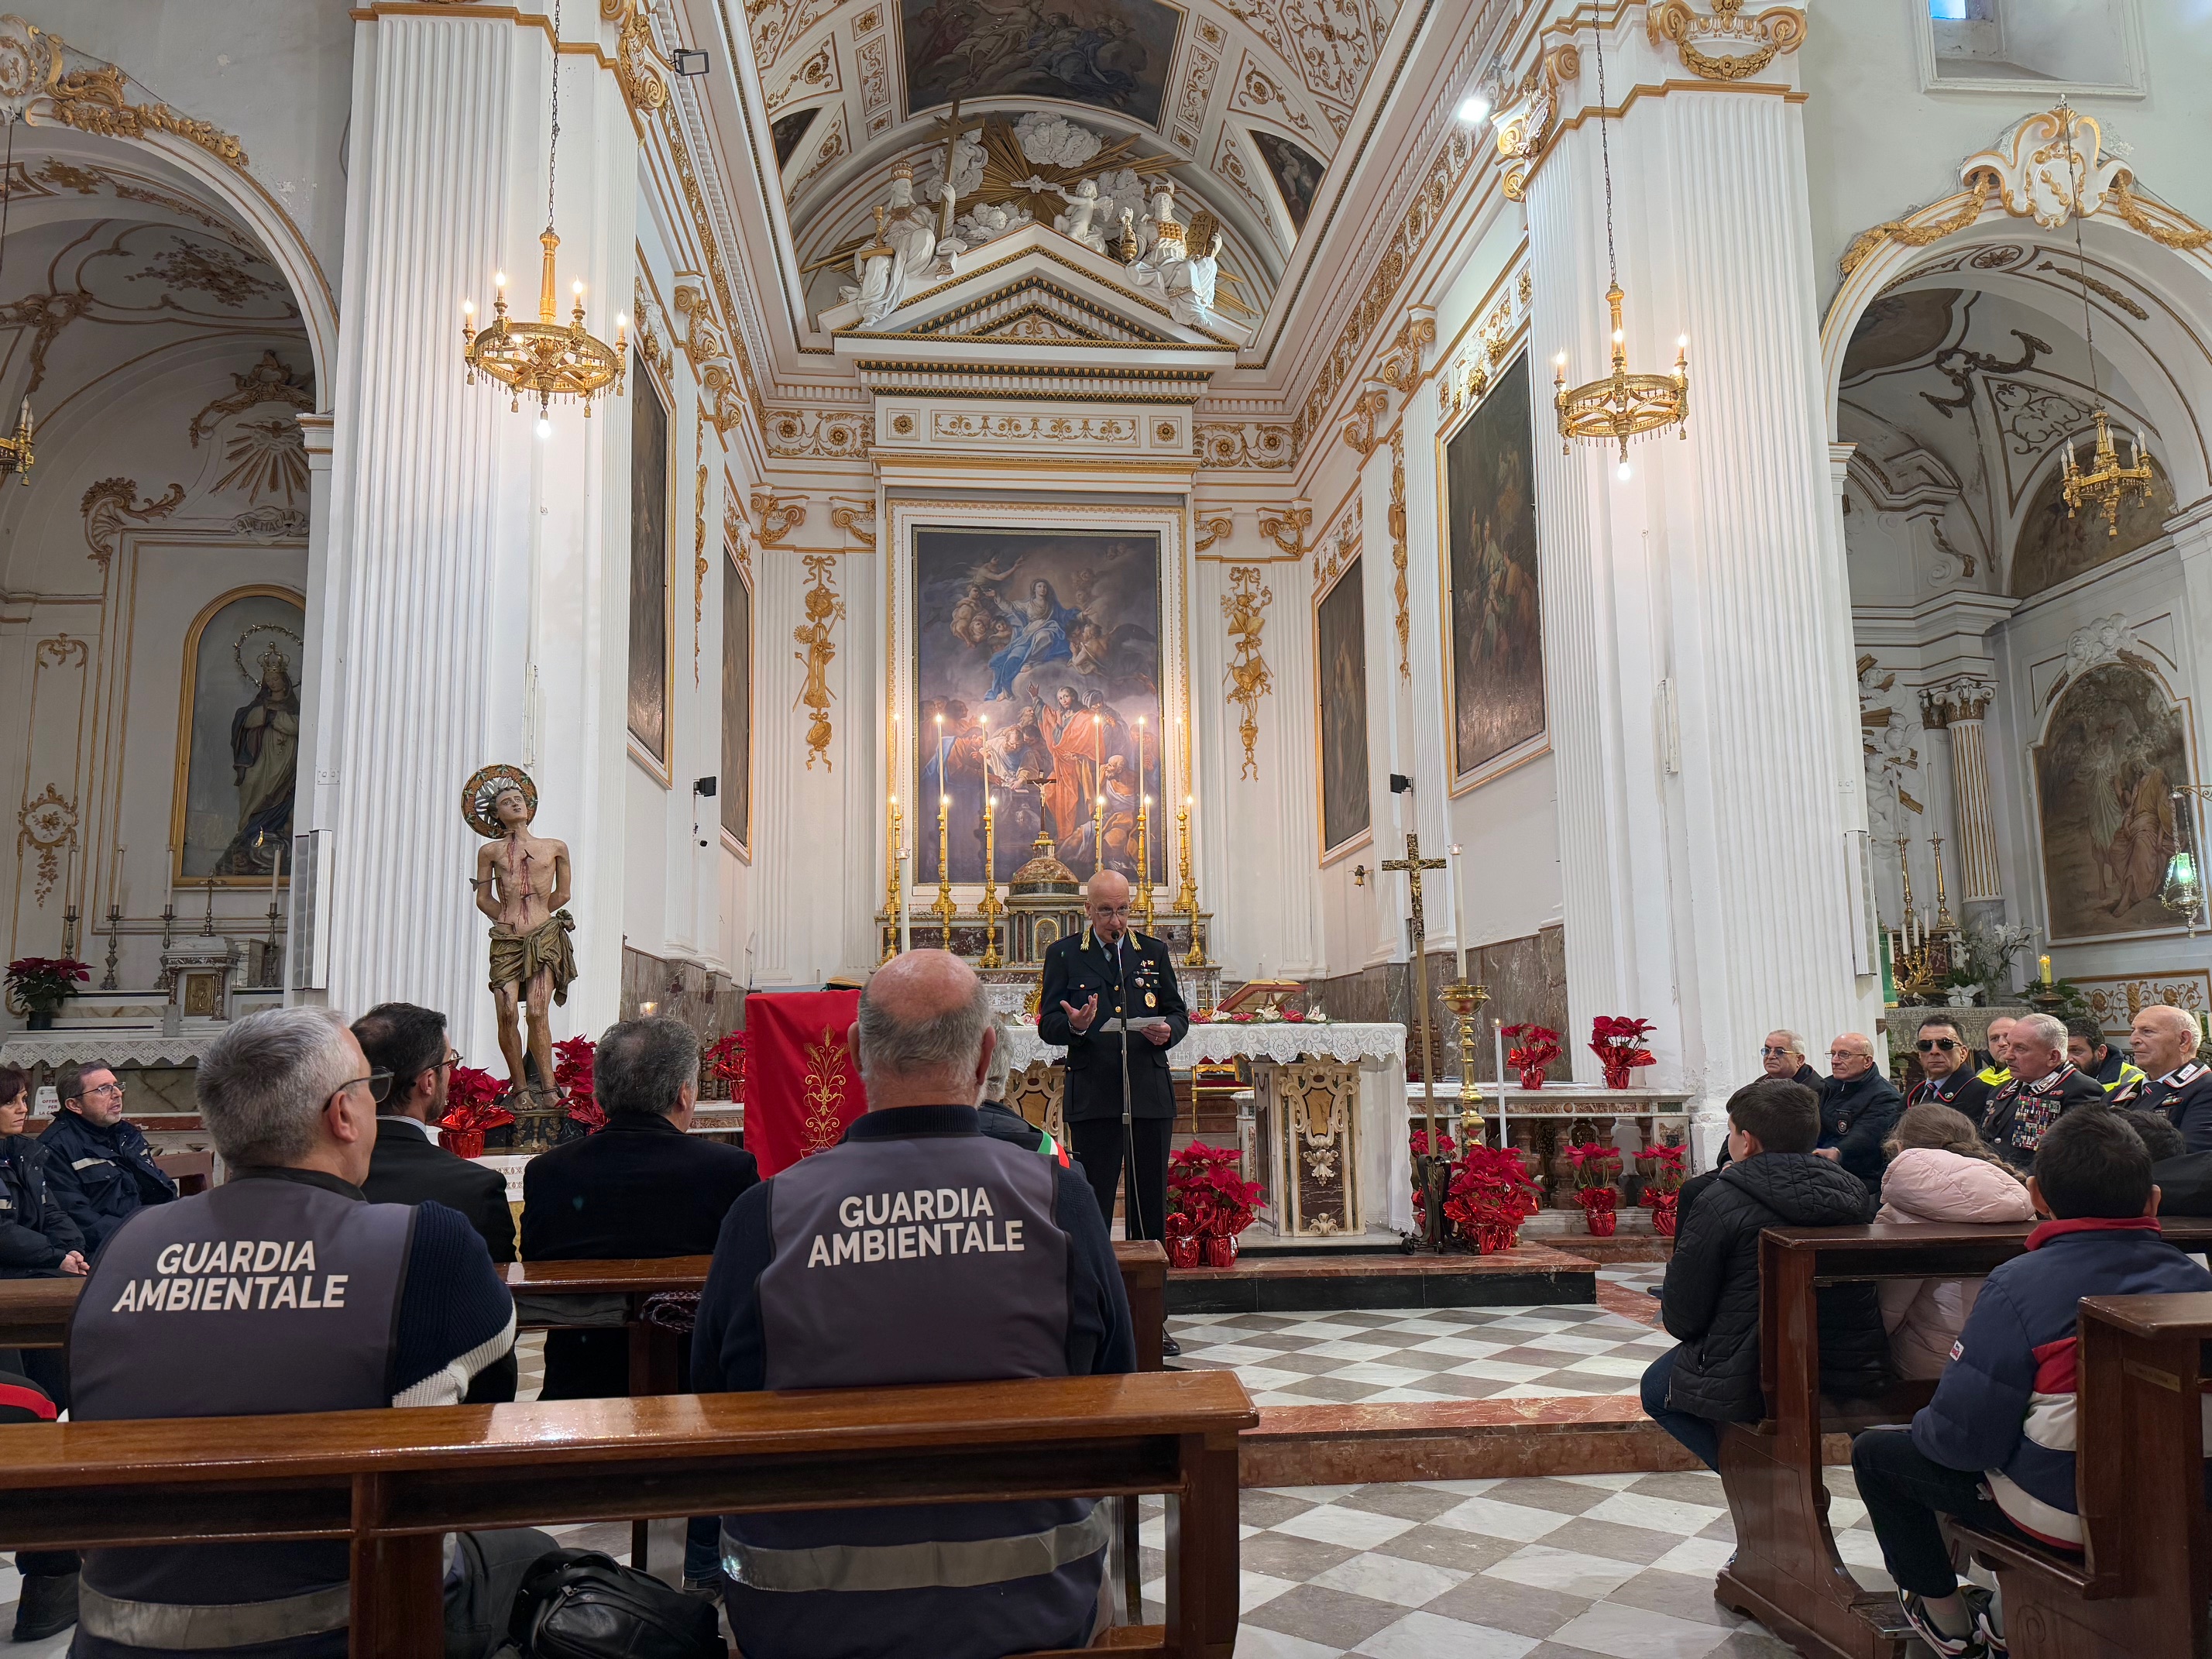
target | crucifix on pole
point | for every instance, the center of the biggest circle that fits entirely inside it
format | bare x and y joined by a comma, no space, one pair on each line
949,128
1431,1165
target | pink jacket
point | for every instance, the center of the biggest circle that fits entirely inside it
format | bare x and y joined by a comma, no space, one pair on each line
1925,1183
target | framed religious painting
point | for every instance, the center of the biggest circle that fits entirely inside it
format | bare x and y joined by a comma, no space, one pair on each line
1341,670
2114,746
649,596
1493,617
238,739
1041,669
737,779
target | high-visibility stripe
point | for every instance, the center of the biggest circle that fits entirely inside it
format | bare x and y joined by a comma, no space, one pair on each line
220,1624
932,1563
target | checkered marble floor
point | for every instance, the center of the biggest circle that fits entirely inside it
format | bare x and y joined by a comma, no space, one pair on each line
1392,1356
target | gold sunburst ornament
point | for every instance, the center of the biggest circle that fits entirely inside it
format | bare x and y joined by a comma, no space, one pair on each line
2103,485
1620,406
546,359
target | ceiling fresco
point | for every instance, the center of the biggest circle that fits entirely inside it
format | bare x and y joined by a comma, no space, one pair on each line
1110,54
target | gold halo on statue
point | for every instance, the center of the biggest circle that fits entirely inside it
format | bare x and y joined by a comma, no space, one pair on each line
481,793
238,652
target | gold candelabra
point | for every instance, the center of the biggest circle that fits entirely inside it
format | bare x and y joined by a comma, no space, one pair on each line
15,450
944,909
893,897
1465,1002
1145,862
991,907
1922,950
2105,484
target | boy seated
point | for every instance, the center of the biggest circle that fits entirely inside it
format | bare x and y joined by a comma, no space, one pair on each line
1996,1445
1711,1301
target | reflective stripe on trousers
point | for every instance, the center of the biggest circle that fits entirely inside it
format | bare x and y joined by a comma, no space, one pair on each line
219,1625
959,1564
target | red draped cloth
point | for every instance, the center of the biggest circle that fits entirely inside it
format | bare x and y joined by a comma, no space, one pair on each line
802,1087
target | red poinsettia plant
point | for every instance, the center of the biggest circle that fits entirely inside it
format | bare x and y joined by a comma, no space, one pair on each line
1596,1164
41,984
472,1106
1209,1204
1534,1048
726,1060
572,1080
1663,1193
1490,1196
1618,1043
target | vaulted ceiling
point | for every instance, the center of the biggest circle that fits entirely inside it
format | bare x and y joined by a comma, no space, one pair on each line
1243,103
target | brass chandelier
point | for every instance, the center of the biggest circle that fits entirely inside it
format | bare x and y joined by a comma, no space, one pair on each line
545,359
2102,483
1620,406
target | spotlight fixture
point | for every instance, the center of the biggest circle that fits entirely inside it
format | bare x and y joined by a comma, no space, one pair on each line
689,61
1474,109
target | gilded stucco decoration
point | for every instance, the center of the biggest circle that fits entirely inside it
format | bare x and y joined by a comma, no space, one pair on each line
1264,444
776,516
1454,156
2029,170
680,154
265,457
45,315
1337,548
270,523
815,76
639,66
1401,363
271,380
46,78
652,329
1369,406
698,548
1211,531
111,505
1525,125
89,181
48,823
708,353
1244,608
1751,43
1286,527
1400,593
737,534
817,650
856,518
825,434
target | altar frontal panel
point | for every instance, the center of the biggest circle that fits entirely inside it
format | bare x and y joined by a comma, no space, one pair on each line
1495,643
1041,650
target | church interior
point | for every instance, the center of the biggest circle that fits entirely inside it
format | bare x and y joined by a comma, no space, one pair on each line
1562,587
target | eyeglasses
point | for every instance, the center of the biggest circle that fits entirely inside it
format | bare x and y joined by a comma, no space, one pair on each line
115,1088
1771,1053
379,1086
1929,1045
453,1059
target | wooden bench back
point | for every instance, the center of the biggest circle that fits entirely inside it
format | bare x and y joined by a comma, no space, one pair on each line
391,1482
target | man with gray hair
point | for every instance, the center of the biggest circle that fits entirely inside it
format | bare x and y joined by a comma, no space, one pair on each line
918,1250
2045,1086
301,1296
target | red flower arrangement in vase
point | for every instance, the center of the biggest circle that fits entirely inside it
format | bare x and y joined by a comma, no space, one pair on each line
1617,1041
1534,1046
572,1081
1209,1203
726,1060
1663,1192
1490,1196
1597,1163
471,1107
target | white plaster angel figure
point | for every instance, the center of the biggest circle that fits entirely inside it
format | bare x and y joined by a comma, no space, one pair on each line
1162,213
1082,204
1189,284
898,255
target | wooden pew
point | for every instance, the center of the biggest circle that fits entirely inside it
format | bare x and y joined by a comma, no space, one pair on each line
2142,1587
191,1171
1786,1573
391,1482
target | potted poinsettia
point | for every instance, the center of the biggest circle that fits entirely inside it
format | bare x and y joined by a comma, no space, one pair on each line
572,1081
1596,1164
1490,1196
1534,1048
1663,1191
42,984
1213,1202
1617,1041
726,1060
471,1108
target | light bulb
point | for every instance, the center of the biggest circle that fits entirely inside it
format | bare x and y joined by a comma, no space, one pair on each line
1561,360
1621,472
1682,342
544,428
1474,107
468,308
498,279
577,290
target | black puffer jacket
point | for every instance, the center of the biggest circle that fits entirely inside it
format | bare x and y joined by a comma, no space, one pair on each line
1712,1300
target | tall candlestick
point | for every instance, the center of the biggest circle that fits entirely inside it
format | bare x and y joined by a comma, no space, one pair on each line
1196,957
1143,868
893,894
1145,860
943,908
1459,911
115,880
991,908
1098,835
906,881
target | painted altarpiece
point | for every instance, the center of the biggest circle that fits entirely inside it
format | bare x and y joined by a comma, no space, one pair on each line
2114,747
238,737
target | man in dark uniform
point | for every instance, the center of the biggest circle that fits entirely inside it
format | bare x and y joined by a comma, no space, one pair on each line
918,1250
100,1168
2044,1087
1948,1080
2165,1039
283,1289
1092,982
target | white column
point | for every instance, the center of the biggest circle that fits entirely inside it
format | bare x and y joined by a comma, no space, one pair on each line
1696,626
473,598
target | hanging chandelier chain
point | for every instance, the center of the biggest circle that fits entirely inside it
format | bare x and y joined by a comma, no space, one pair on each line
1605,158
2080,257
553,151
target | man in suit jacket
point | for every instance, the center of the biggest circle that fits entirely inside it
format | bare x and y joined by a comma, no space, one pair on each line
1092,981
408,1166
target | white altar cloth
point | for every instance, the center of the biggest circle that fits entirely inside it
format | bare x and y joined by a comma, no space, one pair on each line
1221,1041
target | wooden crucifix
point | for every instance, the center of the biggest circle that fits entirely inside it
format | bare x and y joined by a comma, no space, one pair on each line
1432,1189
949,128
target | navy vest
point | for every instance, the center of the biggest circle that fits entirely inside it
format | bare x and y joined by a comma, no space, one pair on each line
261,1297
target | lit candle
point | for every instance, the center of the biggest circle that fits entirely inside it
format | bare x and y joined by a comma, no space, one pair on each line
944,838
1098,836
115,882
1459,911
990,839
1145,852
1144,849
2043,963
276,868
